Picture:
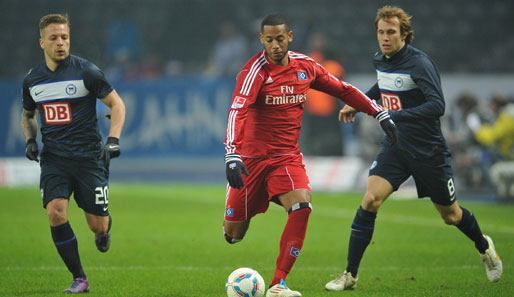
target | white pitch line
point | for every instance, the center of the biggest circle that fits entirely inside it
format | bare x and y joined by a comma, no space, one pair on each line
408,220
214,268
382,216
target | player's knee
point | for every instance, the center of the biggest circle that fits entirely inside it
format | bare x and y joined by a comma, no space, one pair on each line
232,236
371,202
234,232
299,206
451,219
56,216
231,240
98,228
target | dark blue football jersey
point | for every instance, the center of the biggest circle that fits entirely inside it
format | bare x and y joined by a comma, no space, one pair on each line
66,101
409,85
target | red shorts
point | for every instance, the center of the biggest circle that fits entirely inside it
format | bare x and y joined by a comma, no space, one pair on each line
269,177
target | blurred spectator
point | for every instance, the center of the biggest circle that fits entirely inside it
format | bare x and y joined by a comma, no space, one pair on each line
149,67
173,68
123,36
123,67
229,53
322,109
368,138
469,163
497,136
123,48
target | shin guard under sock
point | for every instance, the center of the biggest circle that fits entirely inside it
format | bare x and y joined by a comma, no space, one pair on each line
292,240
66,244
469,226
361,234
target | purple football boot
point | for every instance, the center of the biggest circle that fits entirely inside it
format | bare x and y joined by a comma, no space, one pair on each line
80,285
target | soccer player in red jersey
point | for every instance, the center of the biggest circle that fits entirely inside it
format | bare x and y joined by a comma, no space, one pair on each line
264,124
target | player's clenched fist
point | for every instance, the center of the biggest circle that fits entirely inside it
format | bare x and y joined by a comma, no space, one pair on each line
111,149
31,150
388,126
234,166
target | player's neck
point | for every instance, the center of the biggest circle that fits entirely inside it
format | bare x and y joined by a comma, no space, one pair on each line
52,64
283,62
395,53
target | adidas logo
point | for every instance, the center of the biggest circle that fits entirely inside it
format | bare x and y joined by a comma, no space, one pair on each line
269,80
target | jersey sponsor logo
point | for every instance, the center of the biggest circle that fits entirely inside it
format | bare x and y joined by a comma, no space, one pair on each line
287,89
391,81
239,102
302,75
285,99
391,101
294,252
229,212
57,112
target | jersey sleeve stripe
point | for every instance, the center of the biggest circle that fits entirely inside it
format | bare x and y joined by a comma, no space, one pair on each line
254,65
374,104
250,77
230,133
230,148
294,55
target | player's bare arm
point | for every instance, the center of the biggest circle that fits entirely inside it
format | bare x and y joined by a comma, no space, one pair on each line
29,124
29,129
117,106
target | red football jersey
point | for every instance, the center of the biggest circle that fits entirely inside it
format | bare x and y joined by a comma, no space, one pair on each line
268,101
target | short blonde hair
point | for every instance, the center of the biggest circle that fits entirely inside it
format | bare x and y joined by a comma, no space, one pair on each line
388,12
52,19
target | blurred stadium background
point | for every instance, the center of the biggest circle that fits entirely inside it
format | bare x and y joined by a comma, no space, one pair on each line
174,63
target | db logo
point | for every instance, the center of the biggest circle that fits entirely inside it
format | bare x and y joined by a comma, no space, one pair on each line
391,101
57,113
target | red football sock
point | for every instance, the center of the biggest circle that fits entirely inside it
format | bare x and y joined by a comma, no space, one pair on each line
291,243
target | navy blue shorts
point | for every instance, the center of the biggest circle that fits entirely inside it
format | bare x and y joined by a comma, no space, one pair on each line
87,179
433,176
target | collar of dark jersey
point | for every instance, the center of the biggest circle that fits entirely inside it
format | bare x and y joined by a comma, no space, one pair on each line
65,62
399,54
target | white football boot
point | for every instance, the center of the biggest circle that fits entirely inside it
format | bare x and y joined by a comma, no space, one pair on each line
492,262
281,290
343,281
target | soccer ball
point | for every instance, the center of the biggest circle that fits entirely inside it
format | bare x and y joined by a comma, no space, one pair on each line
244,282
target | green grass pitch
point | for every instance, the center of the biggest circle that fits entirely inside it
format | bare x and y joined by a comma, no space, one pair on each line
167,240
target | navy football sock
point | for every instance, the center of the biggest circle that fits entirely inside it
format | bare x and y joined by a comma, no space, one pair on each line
362,231
66,244
469,226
